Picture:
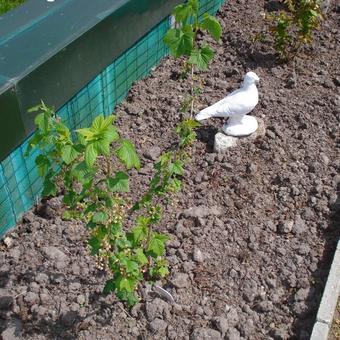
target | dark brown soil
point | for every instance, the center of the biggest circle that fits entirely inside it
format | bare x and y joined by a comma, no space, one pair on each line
251,261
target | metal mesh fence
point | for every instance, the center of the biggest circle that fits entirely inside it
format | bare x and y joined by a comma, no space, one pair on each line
20,184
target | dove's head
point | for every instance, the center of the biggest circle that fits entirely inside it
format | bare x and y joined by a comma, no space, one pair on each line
251,78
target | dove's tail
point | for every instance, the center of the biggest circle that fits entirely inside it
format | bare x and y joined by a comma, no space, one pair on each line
209,112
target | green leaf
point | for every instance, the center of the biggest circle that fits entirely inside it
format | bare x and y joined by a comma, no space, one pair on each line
91,155
50,189
102,147
90,208
34,108
176,184
95,245
177,167
102,123
120,183
63,131
71,214
69,154
99,217
194,4
201,57
131,299
42,122
70,198
163,271
110,286
132,267
43,164
180,41
187,124
128,155
83,173
182,13
33,142
98,122
157,245
111,134
86,133
127,284
165,158
138,234
140,256
212,25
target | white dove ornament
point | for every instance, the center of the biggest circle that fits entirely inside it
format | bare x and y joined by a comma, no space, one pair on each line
235,106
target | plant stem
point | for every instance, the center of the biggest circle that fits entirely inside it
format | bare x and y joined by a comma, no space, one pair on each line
148,239
192,92
108,164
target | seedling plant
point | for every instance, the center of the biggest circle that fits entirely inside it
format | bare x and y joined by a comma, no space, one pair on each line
183,41
294,27
96,193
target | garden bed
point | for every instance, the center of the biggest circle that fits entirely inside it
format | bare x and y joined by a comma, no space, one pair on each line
252,232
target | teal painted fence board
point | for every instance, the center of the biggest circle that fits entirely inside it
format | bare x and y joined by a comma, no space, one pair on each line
20,184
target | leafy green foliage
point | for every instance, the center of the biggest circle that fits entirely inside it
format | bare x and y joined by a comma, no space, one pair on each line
128,155
201,57
94,193
212,25
119,183
183,42
294,27
180,41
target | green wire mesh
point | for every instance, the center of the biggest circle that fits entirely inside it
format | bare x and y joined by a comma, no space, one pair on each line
20,184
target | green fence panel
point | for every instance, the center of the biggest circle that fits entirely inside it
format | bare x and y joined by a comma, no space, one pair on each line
20,184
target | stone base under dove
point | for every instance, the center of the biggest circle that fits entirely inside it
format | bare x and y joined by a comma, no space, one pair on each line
240,127
222,142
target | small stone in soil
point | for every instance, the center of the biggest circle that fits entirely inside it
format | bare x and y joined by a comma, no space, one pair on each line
153,153
222,142
31,298
232,317
8,242
158,325
232,334
41,278
206,334
57,256
198,256
221,324
202,211
180,280
285,227
156,308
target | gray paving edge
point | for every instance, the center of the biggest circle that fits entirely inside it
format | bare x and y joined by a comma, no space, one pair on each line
329,300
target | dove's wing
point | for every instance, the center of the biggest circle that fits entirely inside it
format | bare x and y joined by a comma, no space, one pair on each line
239,102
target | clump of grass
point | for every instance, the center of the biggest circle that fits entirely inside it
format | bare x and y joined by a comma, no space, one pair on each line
6,5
